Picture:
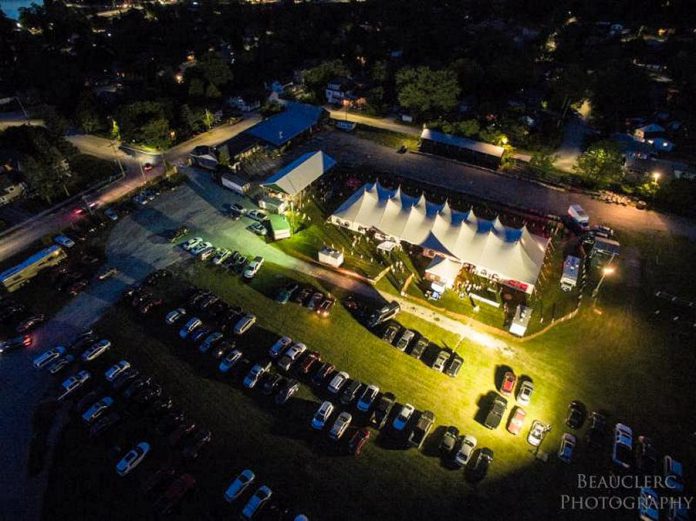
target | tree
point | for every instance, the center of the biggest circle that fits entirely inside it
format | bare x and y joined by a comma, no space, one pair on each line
214,69
602,162
189,119
86,114
208,119
468,127
196,88
542,161
212,92
469,74
317,77
424,91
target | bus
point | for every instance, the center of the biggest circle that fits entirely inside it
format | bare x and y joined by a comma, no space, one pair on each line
15,277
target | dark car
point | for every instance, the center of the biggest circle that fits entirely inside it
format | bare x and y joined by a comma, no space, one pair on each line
350,392
125,378
170,422
597,430
576,415
480,464
178,434
454,365
310,360
287,389
322,373
495,413
302,295
178,233
31,323
103,424
358,441
194,445
419,347
174,493
136,386
83,340
449,440
222,348
314,302
286,293
270,383
390,332
199,334
380,414
149,304
646,456
158,479
15,343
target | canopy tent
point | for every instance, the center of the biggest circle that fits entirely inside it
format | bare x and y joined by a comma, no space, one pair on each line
511,255
298,175
443,270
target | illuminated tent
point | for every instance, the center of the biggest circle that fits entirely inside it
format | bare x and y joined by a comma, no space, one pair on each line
514,256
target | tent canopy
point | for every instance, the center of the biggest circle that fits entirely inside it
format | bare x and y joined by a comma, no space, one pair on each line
298,175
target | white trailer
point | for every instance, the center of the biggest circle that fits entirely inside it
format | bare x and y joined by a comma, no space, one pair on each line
572,266
578,215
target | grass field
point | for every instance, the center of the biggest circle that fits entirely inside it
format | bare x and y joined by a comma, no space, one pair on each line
617,361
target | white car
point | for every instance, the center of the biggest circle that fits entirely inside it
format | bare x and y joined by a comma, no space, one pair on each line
192,243
648,505
256,502
221,255
96,350
64,240
536,433
239,485
206,254
116,369
244,323
97,409
257,215
322,415
175,315
367,398
565,451
402,418
524,395
674,474
132,459
200,247
49,356
74,382
622,450
281,345
192,324
340,425
253,268
254,375
338,381
291,355
467,446
230,361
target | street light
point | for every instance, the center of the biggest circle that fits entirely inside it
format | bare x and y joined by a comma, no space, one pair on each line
656,177
608,270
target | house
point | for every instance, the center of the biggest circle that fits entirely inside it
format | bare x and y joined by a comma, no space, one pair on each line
464,149
296,121
231,153
12,185
655,135
339,90
244,104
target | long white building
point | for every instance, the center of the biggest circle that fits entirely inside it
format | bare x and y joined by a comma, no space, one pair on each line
511,256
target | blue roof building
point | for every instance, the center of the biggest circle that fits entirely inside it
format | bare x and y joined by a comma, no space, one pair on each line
297,119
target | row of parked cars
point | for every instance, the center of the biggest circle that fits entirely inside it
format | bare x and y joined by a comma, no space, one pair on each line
307,296
223,257
123,392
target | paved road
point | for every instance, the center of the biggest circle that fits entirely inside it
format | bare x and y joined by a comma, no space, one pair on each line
350,150
574,135
52,222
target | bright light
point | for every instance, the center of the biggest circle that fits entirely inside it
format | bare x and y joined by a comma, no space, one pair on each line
504,140
656,176
608,270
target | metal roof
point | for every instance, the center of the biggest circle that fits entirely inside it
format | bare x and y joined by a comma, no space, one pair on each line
462,142
287,125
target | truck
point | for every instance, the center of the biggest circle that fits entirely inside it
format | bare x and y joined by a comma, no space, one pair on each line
15,277
422,429
495,413
383,314
579,217
572,266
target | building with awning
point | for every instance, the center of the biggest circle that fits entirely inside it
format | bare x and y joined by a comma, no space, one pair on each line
295,121
462,148
292,179
512,256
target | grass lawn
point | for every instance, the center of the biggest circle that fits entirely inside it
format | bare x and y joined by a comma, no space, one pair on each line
617,362
387,137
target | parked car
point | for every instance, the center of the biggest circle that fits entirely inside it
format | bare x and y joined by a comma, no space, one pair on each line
175,493
565,451
287,391
648,505
192,243
174,316
325,307
116,369
524,393
253,268
322,415
270,382
257,215
255,374
210,341
61,364
192,324
405,339
309,361
390,332
674,474
239,485
449,440
259,229
74,382
194,445
97,409
537,432
340,425
596,432
403,417
382,409
419,347
465,448
221,255
200,248
257,501
454,365
495,413
48,357
622,449
132,459
576,415
286,293
230,360
96,350
314,302
322,373
508,384
420,431
103,424
337,382
302,295
244,324
111,214
481,463
222,348
107,273
350,392
64,240
440,360
291,355
367,398
516,421
358,441
15,343
31,323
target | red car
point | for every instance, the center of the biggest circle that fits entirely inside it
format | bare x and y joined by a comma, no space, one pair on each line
147,167
175,493
508,384
310,360
147,306
516,421
358,441
31,323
